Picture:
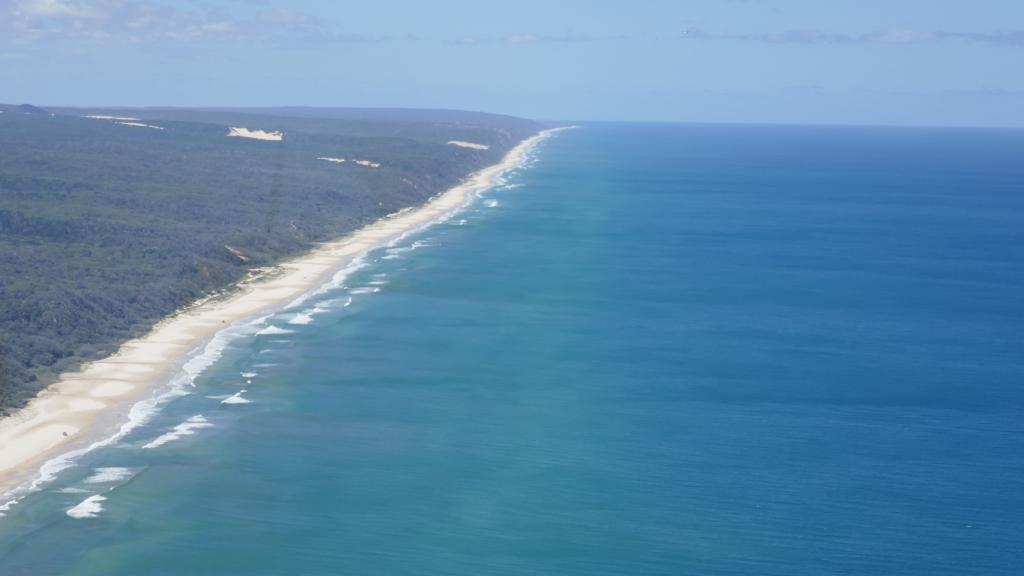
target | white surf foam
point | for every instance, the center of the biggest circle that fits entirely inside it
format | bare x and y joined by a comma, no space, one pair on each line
260,321
141,125
336,281
108,475
248,374
276,135
211,352
186,428
104,117
398,250
138,414
273,331
394,247
301,319
88,508
236,399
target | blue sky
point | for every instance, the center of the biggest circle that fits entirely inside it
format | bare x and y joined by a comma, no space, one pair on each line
937,62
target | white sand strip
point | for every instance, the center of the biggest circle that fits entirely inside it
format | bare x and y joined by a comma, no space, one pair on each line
83,407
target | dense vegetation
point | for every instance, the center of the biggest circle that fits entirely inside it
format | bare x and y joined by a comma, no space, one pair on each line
106,228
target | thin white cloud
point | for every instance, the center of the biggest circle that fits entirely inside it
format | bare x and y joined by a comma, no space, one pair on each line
1001,38
146,21
53,8
555,39
523,39
44,23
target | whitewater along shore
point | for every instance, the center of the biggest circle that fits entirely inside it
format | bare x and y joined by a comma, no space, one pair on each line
91,407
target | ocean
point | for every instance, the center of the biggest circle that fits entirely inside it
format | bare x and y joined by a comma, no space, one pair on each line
652,350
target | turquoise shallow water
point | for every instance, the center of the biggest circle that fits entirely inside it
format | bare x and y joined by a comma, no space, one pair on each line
658,350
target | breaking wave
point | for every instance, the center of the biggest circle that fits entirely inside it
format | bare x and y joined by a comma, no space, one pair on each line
186,428
236,398
109,475
88,508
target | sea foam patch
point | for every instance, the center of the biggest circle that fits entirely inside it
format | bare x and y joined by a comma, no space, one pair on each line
108,475
275,136
72,490
104,117
464,144
273,331
186,428
141,125
336,281
302,318
88,508
397,251
236,398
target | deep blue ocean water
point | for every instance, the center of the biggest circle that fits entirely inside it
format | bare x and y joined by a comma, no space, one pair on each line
660,349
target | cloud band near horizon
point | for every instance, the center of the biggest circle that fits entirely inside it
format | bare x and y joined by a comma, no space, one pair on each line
1011,38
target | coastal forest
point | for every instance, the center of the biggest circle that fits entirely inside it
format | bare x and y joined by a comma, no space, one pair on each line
112,219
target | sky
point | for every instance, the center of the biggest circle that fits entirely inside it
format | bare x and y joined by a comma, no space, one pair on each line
904,62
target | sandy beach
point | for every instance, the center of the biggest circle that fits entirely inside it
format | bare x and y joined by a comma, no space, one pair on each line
86,406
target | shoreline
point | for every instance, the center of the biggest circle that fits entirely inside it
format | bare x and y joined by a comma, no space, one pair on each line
91,407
